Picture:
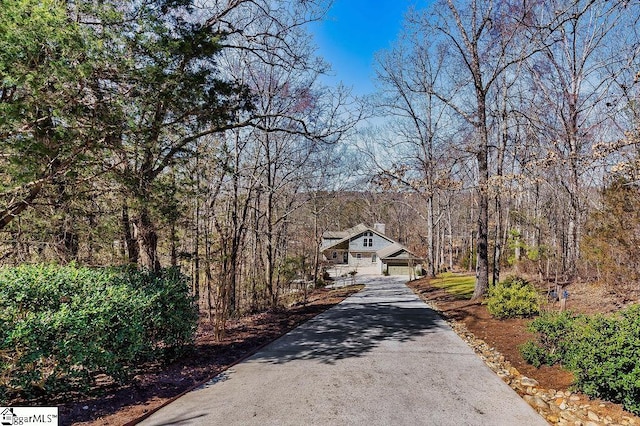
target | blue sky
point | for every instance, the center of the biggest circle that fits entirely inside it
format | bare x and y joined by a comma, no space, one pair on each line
351,34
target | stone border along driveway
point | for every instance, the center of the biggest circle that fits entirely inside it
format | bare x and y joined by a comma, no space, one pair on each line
557,407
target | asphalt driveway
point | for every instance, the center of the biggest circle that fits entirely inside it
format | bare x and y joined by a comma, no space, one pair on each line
381,357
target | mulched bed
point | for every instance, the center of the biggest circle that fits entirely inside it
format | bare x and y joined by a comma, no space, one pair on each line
506,335
156,385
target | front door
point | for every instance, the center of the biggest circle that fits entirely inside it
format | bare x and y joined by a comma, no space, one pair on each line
345,257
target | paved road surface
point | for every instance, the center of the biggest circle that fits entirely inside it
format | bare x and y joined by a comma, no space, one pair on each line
381,357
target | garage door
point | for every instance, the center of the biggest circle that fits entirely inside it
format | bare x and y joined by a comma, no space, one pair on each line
399,270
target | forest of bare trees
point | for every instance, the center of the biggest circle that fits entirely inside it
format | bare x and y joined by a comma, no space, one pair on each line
527,110
199,135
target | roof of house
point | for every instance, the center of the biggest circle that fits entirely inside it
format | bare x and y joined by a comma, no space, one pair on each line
394,249
333,235
347,234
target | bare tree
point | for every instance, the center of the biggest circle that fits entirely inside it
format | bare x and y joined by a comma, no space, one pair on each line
480,41
406,75
572,75
258,168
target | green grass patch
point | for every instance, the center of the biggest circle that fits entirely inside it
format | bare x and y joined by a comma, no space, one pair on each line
458,284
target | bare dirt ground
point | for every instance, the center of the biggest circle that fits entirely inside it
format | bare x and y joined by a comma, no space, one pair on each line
508,334
157,385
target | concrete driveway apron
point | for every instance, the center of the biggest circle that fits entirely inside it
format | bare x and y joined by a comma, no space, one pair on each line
381,357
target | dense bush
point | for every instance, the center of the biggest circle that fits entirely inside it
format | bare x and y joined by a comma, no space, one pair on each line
551,345
62,326
513,297
603,352
533,353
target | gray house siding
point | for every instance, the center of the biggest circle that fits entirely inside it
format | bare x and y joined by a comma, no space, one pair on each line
357,244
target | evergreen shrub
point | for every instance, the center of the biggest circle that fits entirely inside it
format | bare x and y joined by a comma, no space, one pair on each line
62,326
603,352
513,297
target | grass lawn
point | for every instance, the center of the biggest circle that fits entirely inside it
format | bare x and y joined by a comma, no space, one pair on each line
458,284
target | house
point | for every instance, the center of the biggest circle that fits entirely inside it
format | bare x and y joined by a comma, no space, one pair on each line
363,246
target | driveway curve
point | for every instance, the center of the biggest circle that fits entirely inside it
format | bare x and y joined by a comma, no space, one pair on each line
381,357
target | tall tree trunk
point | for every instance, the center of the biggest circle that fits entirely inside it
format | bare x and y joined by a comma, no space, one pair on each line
147,238
270,252
129,239
196,244
497,250
91,220
431,254
482,278
450,230
174,240
316,243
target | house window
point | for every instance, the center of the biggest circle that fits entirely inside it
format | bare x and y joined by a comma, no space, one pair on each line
334,255
373,258
367,242
358,255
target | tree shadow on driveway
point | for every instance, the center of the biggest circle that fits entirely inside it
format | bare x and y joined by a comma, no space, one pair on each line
384,318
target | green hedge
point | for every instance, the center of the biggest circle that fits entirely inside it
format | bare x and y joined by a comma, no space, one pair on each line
61,326
552,342
603,352
513,297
